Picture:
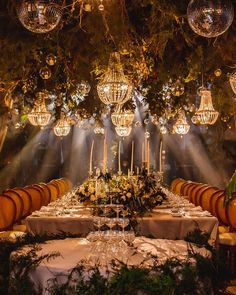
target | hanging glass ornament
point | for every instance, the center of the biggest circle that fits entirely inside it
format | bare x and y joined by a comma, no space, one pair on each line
146,121
155,120
232,81
163,130
45,73
39,16
138,124
83,88
123,131
147,134
205,114
181,126
62,127
51,59
177,88
210,18
114,88
101,6
218,72
39,116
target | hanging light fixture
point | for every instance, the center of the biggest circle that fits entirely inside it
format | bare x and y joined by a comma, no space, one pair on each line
232,81
123,131
114,88
39,116
39,16
206,114
122,117
123,120
181,126
62,127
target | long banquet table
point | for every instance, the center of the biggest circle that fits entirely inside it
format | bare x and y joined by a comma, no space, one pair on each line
78,250
158,224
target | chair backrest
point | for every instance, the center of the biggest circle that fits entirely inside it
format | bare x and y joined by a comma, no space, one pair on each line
47,193
36,197
27,200
178,186
18,202
205,197
54,191
59,188
7,212
213,200
42,191
195,193
221,210
174,182
185,188
231,213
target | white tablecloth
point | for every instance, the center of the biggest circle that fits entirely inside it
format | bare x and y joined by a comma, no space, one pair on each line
74,250
156,225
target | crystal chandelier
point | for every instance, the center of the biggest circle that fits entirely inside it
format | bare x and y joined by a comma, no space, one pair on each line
39,16
122,118
232,81
62,127
114,88
181,126
39,116
123,131
206,114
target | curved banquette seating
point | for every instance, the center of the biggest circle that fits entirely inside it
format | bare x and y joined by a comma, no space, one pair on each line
17,203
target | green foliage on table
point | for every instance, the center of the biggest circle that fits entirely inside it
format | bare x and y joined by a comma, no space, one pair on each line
175,276
230,189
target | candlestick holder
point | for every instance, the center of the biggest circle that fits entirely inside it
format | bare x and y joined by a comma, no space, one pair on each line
119,172
90,174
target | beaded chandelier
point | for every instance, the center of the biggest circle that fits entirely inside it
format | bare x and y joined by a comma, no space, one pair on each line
232,81
39,116
114,88
181,126
62,127
206,114
39,16
122,118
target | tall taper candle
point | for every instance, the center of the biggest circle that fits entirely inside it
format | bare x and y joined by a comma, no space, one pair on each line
142,154
91,159
160,156
132,159
119,170
104,154
148,157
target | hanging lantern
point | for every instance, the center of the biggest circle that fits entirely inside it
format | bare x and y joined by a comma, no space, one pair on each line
181,126
62,127
39,116
123,131
114,88
232,81
39,16
210,18
206,114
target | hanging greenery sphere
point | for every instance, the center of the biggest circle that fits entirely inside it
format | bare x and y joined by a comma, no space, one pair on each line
210,18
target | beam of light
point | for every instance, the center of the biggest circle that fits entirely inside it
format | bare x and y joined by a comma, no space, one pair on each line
198,156
10,174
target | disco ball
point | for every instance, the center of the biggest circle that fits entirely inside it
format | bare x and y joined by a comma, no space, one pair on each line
210,18
39,16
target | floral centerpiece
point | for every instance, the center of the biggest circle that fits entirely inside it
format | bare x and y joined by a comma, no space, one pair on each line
138,194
